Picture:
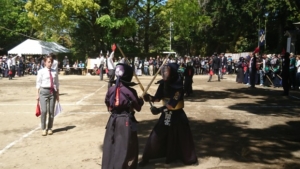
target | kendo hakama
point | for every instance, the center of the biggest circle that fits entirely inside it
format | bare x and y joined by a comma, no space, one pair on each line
171,137
120,147
188,80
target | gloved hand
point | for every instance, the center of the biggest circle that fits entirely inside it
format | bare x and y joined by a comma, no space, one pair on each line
147,97
155,110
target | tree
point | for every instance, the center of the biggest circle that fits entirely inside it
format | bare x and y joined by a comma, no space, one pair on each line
92,25
188,21
15,26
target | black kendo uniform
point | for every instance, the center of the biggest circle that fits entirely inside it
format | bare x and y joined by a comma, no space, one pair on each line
285,74
171,137
188,79
120,146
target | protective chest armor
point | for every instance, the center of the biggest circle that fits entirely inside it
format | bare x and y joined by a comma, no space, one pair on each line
168,91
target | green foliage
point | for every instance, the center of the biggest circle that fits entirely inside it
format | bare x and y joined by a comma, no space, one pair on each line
14,22
145,26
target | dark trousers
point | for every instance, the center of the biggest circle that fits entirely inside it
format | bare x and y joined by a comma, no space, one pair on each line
20,71
111,75
188,86
229,69
216,71
292,78
252,77
285,85
101,72
5,73
13,67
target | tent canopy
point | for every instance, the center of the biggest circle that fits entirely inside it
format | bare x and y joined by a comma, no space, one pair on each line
37,47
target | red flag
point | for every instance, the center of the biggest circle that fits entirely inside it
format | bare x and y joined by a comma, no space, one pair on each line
38,109
113,47
256,50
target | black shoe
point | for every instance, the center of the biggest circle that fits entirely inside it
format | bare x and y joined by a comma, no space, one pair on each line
196,163
143,163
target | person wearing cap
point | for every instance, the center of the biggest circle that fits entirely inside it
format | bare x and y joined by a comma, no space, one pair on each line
171,137
120,145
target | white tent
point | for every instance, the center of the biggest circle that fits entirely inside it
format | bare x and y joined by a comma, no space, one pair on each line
37,47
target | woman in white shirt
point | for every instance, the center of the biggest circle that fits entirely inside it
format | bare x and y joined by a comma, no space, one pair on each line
47,85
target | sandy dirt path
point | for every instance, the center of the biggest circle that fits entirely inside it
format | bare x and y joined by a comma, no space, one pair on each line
233,127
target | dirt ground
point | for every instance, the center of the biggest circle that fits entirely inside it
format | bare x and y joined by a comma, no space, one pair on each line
233,127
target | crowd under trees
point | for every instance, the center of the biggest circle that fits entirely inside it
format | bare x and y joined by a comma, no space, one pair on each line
191,27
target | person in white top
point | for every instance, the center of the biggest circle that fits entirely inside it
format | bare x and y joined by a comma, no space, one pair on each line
111,66
55,62
298,71
9,62
47,85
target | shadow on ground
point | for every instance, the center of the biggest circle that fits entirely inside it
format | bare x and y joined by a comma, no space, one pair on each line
261,101
232,140
63,129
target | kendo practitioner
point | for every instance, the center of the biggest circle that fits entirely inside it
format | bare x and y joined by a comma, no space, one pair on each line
216,65
171,137
120,147
188,79
285,74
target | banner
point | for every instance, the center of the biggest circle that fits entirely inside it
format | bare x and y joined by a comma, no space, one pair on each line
262,37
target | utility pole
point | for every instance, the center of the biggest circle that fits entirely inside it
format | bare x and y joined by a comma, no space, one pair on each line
266,14
266,34
258,31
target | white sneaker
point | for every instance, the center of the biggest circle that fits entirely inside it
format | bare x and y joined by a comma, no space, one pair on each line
261,84
44,133
50,132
